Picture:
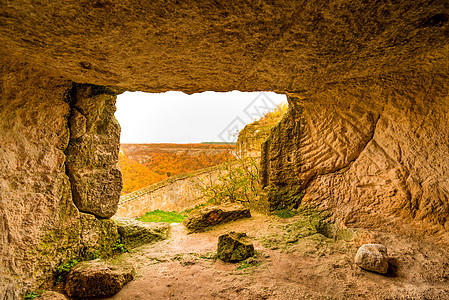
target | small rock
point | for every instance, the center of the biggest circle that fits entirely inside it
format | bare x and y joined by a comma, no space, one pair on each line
211,216
234,246
134,233
97,278
51,295
372,257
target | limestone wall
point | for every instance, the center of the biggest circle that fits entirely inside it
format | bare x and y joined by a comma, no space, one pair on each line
40,225
379,163
173,194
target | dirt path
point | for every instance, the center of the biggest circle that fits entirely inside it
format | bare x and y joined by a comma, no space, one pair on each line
310,267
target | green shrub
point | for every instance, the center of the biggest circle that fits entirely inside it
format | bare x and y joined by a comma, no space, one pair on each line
238,182
33,295
119,246
64,269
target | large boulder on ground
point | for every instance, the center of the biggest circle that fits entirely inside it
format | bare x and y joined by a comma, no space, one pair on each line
52,295
372,257
214,215
135,233
234,246
97,278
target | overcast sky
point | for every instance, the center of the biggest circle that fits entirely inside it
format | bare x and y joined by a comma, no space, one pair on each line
175,117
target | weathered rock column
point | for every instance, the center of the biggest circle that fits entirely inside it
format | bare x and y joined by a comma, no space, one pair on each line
92,154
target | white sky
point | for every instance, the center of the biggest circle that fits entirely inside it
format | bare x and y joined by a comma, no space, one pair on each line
175,117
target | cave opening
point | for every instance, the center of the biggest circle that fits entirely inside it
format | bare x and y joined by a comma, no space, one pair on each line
167,137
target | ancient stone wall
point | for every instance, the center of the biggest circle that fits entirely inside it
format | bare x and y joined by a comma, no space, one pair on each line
173,194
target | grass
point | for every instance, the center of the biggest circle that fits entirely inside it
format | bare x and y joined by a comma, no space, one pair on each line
162,216
33,295
197,207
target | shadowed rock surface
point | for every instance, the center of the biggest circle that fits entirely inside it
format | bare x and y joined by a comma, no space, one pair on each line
134,233
92,154
207,217
97,278
234,247
366,136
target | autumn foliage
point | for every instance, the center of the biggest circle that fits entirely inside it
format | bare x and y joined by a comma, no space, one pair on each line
145,164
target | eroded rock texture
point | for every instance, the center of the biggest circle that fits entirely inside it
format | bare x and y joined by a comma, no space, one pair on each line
373,163
40,225
92,154
366,136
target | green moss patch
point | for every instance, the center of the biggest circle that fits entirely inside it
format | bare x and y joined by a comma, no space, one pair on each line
308,232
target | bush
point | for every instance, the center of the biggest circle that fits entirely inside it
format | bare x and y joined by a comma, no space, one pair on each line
238,182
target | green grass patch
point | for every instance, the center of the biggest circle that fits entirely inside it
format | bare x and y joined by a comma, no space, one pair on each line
285,213
162,216
197,207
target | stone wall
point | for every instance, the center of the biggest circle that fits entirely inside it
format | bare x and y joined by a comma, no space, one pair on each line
177,193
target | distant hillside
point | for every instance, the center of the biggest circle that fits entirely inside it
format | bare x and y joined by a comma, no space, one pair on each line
145,164
254,134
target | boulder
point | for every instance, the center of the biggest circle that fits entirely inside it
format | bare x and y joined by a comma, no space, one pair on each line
135,233
97,278
372,257
234,246
211,216
52,295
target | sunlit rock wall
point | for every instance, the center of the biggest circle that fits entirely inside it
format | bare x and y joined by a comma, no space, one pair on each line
177,193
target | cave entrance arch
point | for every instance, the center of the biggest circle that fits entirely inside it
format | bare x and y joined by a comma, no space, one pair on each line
170,140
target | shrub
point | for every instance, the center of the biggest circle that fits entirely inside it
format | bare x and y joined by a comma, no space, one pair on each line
237,182
64,269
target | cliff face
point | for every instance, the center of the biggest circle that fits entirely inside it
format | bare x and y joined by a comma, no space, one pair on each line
41,223
379,164
254,134
366,135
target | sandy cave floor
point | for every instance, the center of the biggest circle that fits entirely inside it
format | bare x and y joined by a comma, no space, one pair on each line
313,267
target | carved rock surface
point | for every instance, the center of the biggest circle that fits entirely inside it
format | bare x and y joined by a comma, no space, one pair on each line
372,257
97,278
234,246
372,163
210,216
206,45
134,233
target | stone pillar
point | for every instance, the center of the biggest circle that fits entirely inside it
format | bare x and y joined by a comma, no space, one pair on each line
92,154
